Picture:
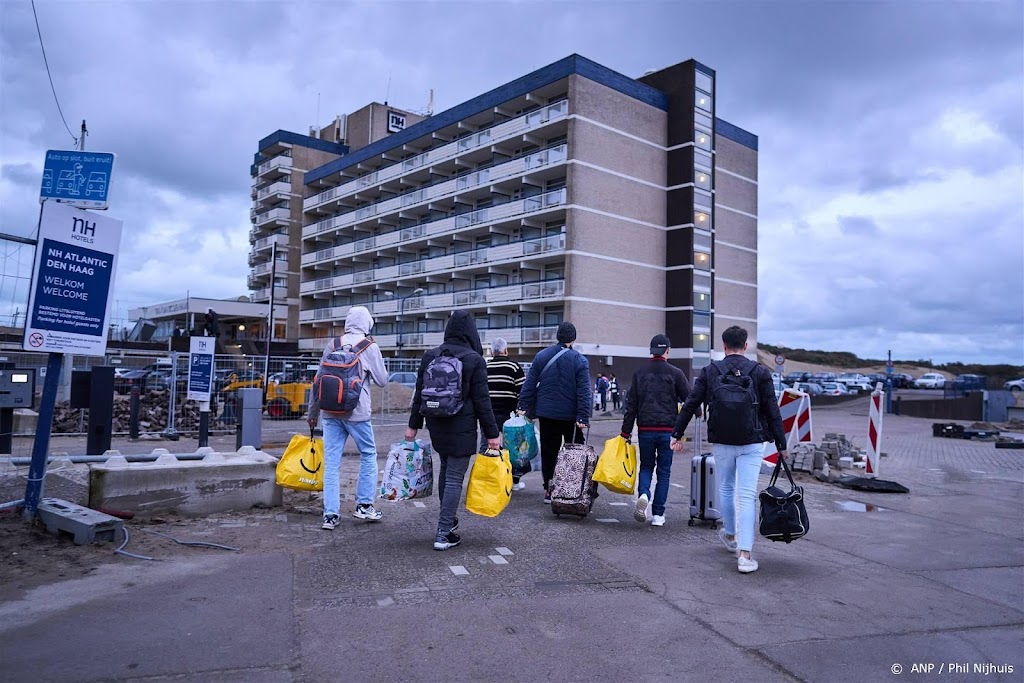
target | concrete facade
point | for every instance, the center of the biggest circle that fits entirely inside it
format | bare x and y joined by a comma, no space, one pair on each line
572,193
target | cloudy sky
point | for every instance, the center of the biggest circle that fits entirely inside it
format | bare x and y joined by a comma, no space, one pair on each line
891,136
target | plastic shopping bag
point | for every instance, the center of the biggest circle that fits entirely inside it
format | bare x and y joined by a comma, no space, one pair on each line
520,438
408,472
616,468
490,484
302,465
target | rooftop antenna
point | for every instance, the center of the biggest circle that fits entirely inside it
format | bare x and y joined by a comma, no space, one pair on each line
317,121
388,93
430,105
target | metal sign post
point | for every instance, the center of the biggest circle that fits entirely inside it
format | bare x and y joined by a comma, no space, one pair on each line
200,381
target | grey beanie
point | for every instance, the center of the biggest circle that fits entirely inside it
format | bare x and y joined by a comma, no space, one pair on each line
566,333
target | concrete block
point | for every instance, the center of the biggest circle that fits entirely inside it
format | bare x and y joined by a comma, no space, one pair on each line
218,483
85,525
25,421
846,462
819,459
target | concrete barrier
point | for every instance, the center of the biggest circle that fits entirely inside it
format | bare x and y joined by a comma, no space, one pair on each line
219,482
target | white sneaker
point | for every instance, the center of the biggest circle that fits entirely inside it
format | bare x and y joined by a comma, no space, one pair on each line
518,487
658,520
746,566
731,546
640,512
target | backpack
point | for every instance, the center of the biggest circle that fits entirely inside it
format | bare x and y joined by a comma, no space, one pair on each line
733,406
339,383
441,395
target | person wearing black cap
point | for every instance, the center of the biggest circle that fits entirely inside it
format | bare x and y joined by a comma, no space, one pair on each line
557,392
653,403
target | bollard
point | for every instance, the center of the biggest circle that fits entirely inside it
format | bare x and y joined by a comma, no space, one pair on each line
133,413
898,405
204,424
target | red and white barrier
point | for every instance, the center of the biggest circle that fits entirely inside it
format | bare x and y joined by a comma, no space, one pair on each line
795,407
874,433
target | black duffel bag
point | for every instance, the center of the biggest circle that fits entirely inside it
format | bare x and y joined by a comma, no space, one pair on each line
783,515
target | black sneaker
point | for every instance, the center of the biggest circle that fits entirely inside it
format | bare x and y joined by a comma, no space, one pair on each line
455,526
445,542
547,497
330,521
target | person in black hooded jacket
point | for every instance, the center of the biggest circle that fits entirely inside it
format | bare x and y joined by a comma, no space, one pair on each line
454,437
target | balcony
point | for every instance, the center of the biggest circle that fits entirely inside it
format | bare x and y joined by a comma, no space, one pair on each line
529,292
526,336
274,168
280,239
259,295
278,216
483,138
276,191
513,251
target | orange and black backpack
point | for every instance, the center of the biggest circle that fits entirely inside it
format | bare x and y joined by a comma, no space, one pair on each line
339,382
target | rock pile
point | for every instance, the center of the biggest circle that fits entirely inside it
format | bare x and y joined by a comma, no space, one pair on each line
836,452
152,414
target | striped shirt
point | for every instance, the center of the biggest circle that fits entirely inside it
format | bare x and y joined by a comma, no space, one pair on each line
505,379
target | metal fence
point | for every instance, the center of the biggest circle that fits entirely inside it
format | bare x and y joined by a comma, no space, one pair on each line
162,380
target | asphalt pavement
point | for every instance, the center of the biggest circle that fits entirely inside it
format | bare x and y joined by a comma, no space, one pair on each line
929,584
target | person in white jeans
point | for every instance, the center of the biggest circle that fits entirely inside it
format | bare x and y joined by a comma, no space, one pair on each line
737,447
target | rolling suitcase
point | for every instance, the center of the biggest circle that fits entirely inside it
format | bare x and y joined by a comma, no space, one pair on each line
703,483
573,490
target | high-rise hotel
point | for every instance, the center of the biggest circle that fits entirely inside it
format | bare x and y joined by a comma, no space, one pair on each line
572,193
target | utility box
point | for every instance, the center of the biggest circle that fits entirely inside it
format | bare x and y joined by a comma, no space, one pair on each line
250,417
17,387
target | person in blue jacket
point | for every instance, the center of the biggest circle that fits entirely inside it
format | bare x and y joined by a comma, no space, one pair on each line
557,392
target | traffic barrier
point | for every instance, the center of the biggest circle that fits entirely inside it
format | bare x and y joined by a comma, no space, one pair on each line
795,408
874,433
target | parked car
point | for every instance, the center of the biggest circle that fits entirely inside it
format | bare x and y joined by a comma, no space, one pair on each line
834,389
791,378
967,382
406,379
930,380
1014,385
846,377
819,377
809,388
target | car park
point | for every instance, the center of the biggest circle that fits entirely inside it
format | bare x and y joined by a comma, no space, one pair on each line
834,389
930,380
1014,385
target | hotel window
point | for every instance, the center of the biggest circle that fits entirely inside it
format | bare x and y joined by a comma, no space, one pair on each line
702,342
701,301
698,363
703,81
702,320
702,219
702,100
702,280
702,179
702,119
700,240
701,260
701,159
553,316
702,199
702,139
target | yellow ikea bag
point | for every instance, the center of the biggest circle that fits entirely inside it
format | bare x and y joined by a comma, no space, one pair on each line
302,465
490,484
616,467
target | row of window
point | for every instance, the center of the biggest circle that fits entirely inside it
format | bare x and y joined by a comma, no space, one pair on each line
552,316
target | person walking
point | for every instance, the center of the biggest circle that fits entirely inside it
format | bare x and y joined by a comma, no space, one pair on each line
505,379
653,403
338,427
613,387
602,390
557,392
742,415
451,395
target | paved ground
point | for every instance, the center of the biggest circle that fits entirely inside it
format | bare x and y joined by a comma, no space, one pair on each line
932,578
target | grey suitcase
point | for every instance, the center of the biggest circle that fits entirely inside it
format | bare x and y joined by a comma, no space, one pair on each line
704,503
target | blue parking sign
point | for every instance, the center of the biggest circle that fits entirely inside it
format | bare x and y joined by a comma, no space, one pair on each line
77,178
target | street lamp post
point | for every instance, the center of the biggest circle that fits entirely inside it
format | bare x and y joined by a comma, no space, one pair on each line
401,316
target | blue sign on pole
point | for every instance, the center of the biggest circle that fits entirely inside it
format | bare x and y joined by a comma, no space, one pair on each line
81,179
200,368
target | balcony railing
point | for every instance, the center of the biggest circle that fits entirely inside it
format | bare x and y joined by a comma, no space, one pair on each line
532,336
444,225
479,139
279,187
276,162
530,291
280,239
535,160
278,214
280,293
501,252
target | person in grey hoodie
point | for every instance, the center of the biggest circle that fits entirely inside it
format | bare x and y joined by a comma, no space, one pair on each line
338,427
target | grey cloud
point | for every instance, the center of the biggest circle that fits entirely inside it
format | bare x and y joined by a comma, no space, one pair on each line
857,226
19,174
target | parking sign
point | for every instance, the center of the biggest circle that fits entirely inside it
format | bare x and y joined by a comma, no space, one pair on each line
200,368
77,178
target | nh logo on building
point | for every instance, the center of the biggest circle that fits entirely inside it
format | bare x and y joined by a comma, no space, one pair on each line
82,230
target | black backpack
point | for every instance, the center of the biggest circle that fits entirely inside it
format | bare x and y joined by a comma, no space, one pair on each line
732,406
441,395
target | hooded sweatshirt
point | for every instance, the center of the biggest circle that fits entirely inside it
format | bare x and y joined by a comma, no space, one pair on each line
358,324
457,435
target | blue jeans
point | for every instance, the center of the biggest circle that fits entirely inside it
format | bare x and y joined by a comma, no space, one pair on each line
655,451
336,433
738,470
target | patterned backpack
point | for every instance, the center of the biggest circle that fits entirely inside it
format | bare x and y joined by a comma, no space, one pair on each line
441,395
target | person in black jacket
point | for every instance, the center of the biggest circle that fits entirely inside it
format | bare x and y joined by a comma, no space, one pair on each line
737,456
560,396
653,403
454,438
